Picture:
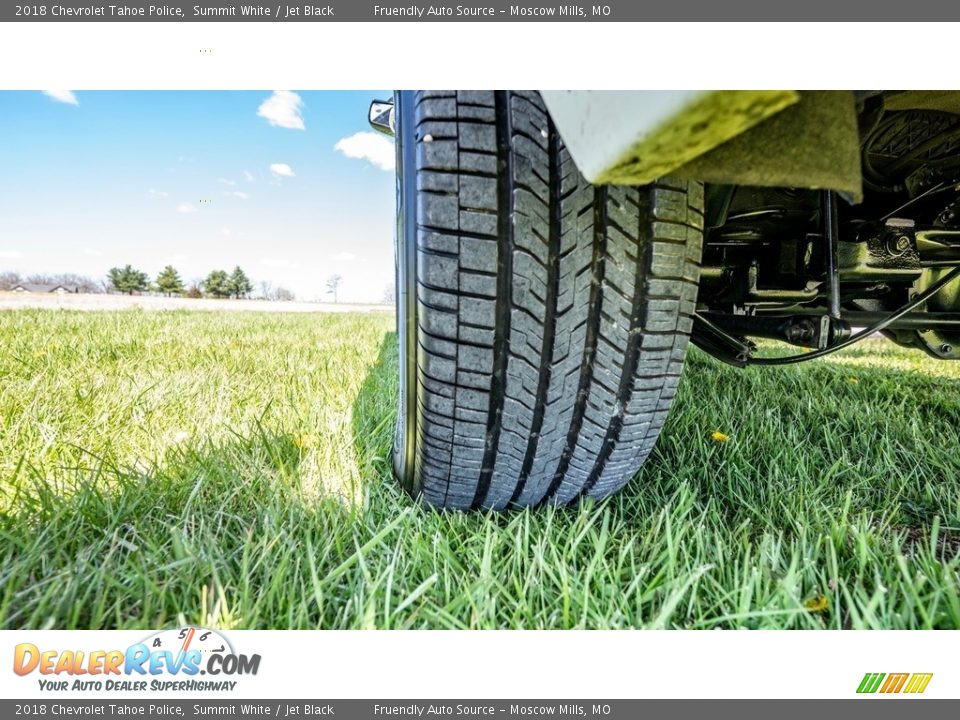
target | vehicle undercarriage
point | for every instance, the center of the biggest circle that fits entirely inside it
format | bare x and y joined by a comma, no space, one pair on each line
809,268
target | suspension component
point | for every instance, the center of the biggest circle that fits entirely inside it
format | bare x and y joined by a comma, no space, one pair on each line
808,331
938,248
880,326
828,218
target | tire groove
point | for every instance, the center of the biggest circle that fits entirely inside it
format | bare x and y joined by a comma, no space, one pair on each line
638,314
459,173
460,293
550,307
501,336
447,232
598,263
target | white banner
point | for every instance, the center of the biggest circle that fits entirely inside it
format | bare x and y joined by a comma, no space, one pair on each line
461,664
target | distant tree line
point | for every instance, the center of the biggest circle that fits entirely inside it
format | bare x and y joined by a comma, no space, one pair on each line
218,284
129,280
9,280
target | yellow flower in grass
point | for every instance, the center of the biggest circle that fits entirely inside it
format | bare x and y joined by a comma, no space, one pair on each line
817,604
719,437
853,381
305,441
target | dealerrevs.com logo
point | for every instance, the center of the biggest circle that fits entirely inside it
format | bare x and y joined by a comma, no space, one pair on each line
892,683
169,660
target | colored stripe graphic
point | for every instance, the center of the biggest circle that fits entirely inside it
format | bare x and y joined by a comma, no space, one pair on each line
870,682
894,683
918,682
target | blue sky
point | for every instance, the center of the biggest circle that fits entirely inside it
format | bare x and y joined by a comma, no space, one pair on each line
292,186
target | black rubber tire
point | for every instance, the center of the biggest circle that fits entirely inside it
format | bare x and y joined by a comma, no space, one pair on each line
550,317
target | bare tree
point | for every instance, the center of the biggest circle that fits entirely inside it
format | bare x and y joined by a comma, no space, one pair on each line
278,293
333,285
40,279
9,280
284,295
81,283
390,294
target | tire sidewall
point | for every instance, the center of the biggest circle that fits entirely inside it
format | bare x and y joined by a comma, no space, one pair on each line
404,448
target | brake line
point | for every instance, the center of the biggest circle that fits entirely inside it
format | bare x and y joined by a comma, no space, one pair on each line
875,328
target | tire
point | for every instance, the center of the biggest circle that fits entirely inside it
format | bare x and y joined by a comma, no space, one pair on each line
544,320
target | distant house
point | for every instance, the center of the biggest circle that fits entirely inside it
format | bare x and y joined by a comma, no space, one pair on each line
40,288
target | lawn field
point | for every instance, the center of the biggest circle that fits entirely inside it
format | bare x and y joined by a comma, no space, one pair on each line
232,470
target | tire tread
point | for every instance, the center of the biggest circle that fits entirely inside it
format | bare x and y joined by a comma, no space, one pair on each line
552,315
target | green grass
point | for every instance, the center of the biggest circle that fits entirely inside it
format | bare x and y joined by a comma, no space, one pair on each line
232,471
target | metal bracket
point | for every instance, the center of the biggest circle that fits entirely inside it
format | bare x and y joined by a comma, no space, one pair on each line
381,117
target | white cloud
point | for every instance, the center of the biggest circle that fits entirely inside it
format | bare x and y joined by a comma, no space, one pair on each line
92,252
370,146
281,170
10,254
238,193
345,256
152,193
248,176
186,208
62,96
283,109
228,182
175,258
225,232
